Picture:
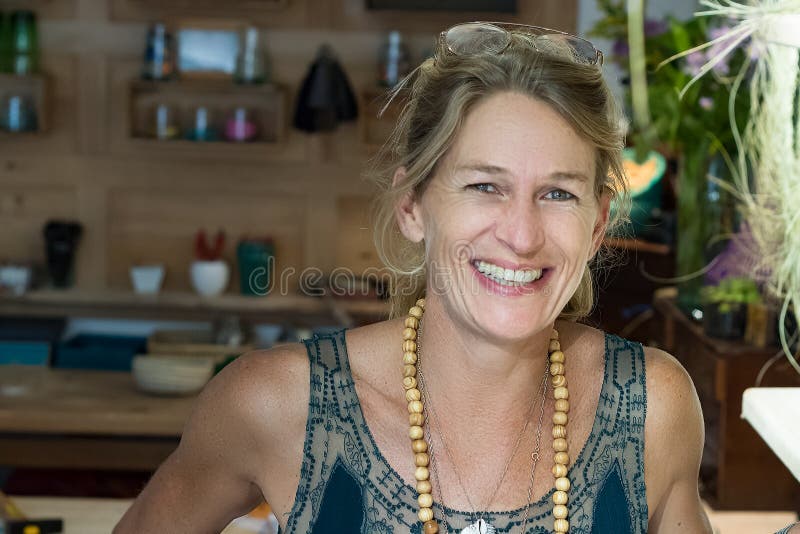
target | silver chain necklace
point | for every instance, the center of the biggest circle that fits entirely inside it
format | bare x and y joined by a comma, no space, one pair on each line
481,526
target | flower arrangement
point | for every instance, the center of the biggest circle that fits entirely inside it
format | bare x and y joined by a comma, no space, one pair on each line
731,293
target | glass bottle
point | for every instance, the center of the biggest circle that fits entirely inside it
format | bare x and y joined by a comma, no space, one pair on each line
159,55
25,43
250,62
394,61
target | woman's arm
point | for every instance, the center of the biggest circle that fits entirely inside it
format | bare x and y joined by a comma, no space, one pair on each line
210,478
674,436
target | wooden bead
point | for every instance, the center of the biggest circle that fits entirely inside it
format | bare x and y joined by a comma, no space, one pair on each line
557,356
559,431
416,419
415,406
554,334
409,333
562,405
415,432
562,483
554,345
409,382
431,527
425,500
409,370
409,346
560,511
419,445
409,358
561,526
424,486
559,470
412,322
560,497
559,380
557,369
413,394
422,473
421,459
561,393
560,418
425,514
559,445
561,457
415,311
421,302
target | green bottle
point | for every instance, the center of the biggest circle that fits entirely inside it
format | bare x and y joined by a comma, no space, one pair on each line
25,45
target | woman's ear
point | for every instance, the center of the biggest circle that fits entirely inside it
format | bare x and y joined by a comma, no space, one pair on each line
601,222
408,211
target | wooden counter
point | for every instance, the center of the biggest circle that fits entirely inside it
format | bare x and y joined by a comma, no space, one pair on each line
85,419
734,455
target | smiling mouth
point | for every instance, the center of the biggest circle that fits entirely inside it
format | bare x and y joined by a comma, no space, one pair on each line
507,277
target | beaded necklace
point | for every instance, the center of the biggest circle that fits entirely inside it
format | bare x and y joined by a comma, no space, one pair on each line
419,445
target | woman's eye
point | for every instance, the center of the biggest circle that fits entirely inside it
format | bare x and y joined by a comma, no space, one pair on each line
560,194
484,188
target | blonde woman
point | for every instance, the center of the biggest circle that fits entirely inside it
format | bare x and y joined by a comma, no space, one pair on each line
481,405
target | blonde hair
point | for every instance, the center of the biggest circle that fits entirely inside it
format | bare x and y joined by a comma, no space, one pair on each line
442,92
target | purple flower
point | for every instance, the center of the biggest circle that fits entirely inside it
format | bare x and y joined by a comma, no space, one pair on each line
706,102
714,51
620,48
653,27
695,62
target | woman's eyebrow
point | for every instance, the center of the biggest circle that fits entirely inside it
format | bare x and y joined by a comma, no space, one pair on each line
487,168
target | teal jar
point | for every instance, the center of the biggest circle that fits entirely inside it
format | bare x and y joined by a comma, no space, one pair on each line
256,259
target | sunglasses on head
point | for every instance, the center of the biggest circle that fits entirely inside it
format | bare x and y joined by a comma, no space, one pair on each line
474,38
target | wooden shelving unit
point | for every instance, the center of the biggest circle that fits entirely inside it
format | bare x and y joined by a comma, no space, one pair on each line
266,104
297,310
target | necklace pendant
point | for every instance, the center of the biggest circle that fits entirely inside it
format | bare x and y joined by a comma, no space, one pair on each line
479,527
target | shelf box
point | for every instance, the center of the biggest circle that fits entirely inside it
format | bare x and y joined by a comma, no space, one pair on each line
33,87
265,103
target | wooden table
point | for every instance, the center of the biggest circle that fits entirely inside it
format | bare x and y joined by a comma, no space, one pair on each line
735,458
98,516
58,418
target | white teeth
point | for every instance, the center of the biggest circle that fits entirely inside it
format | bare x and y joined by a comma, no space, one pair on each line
508,276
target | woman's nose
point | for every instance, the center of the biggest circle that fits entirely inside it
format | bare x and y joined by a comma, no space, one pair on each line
521,228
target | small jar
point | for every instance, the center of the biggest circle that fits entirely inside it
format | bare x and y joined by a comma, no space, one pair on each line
241,126
164,125
201,126
18,114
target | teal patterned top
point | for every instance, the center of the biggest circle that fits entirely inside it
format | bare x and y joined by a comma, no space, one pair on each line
347,486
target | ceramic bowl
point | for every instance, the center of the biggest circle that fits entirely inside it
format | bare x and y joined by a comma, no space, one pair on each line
147,279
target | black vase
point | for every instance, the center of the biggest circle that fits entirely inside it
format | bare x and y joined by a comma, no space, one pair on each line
728,324
61,240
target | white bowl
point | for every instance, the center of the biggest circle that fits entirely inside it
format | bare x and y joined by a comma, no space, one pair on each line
171,375
147,279
209,278
16,277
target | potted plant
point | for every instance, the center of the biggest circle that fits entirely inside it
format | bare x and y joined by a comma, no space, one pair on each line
209,272
725,307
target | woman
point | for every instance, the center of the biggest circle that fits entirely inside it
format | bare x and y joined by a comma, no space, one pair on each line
503,166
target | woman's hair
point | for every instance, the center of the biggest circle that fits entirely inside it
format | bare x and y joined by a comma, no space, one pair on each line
442,92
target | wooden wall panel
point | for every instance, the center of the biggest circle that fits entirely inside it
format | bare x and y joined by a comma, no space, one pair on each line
146,226
24,209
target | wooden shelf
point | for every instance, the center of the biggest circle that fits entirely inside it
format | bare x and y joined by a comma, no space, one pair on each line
266,105
297,310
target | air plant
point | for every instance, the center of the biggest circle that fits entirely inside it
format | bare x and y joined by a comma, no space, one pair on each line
770,144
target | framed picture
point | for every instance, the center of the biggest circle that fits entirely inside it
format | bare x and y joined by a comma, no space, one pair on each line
205,52
495,6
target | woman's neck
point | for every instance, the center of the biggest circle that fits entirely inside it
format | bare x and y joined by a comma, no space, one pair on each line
471,374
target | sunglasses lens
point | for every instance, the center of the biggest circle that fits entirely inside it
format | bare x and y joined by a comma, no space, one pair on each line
476,38
568,47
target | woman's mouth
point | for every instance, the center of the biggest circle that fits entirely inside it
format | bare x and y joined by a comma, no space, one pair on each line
507,277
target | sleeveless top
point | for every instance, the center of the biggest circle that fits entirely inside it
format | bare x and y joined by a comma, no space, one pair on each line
347,486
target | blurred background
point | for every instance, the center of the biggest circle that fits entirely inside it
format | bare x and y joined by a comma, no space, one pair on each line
180,183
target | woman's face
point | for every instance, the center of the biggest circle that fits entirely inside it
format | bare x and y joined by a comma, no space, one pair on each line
510,219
